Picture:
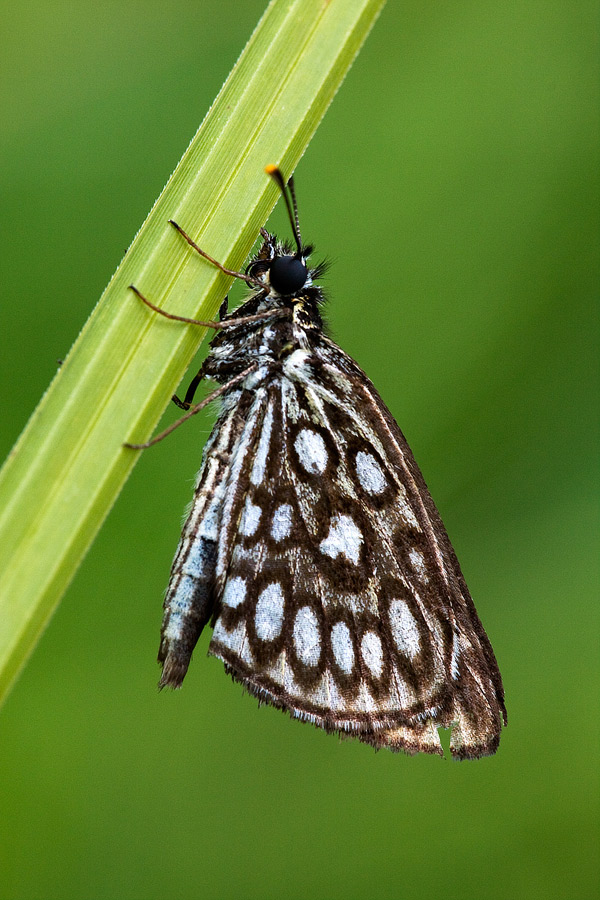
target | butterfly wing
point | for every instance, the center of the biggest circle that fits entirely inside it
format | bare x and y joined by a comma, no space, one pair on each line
191,597
338,595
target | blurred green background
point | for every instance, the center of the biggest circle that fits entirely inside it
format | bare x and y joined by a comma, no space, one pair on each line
454,185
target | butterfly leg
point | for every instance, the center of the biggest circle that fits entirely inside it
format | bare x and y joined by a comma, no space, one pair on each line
223,322
189,394
195,409
193,387
168,315
249,279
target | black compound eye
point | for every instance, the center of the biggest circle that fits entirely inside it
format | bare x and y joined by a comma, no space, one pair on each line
287,274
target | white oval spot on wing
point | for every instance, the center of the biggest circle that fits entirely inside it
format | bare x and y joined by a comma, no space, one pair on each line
307,639
250,518
372,652
370,474
344,537
341,644
269,612
311,451
282,522
235,592
404,629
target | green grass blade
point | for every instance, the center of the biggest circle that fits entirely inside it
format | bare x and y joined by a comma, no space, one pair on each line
69,465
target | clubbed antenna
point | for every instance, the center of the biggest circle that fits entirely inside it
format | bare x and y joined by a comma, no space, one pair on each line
292,206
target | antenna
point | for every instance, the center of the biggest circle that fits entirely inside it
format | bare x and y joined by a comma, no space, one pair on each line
292,206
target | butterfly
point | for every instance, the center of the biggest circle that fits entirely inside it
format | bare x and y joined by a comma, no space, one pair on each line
312,545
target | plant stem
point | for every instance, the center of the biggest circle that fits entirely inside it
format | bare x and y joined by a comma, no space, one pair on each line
65,472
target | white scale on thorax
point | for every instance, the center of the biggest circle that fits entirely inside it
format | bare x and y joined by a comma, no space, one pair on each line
254,379
224,350
296,361
265,348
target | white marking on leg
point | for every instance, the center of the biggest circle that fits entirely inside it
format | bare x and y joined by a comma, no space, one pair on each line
344,537
307,639
341,644
269,612
404,629
311,451
250,518
370,474
235,592
372,652
282,522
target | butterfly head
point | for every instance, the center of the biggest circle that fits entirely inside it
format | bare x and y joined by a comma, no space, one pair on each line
281,272
288,274
278,265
